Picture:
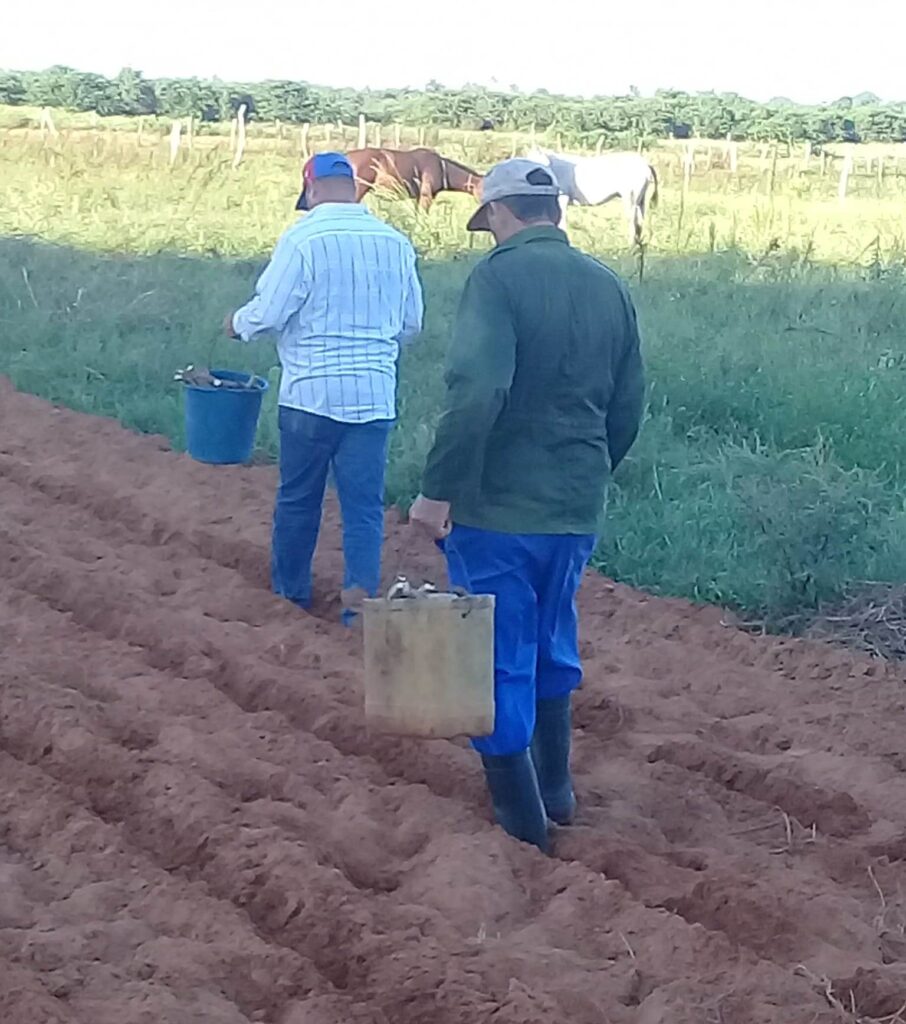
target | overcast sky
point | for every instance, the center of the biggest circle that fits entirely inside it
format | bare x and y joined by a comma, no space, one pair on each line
801,49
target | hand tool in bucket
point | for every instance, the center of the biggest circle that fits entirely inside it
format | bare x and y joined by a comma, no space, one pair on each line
429,662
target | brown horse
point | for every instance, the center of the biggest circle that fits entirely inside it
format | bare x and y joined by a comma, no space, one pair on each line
418,173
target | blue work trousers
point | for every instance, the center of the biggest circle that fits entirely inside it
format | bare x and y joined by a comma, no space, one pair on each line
357,452
534,578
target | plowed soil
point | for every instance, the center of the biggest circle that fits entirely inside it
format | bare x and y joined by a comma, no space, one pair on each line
195,827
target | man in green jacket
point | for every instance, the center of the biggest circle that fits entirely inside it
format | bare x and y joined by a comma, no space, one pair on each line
545,391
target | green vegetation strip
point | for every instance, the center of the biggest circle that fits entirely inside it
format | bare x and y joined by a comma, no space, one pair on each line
669,113
770,473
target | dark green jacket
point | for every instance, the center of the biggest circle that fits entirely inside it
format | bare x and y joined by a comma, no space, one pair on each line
544,390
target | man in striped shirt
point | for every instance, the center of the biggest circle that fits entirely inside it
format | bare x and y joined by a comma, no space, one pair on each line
341,293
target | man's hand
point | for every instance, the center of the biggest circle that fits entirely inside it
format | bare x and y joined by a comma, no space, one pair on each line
228,328
433,517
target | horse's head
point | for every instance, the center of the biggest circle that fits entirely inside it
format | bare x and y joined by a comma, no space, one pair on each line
539,156
459,178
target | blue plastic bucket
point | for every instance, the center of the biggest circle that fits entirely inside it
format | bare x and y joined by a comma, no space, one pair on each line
221,422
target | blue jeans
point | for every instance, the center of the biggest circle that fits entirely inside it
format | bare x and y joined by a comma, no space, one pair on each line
534,578
357,452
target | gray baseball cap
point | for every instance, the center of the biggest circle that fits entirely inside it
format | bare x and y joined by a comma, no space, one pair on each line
516,177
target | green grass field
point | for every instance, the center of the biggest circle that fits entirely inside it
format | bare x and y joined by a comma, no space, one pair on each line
770,474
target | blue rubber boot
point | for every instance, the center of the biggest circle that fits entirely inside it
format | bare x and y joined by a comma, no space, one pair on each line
517,800
550,753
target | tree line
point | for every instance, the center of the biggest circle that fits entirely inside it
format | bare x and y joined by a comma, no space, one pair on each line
666,114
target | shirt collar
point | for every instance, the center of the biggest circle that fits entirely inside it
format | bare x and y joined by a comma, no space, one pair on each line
338,210
535,233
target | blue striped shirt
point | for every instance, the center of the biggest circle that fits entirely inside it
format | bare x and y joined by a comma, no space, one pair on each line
341,292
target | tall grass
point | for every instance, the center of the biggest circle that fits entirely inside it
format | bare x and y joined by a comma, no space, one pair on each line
770,470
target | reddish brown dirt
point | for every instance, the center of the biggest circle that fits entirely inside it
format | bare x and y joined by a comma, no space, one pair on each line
196,829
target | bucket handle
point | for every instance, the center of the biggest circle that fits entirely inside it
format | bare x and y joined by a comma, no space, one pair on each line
402,589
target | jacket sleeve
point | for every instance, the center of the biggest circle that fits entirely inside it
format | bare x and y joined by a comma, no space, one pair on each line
481,365
624,416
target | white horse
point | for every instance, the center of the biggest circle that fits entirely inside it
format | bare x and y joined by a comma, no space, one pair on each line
593,180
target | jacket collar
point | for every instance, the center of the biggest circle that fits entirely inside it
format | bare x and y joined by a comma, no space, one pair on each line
535,233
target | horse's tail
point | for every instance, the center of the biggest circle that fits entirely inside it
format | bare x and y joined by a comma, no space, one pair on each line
654,190
363,163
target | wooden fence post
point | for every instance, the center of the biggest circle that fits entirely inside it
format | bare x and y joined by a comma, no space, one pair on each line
688,164
734,157
363,133
47,125
190,132
421,135
397,137
806,156
140,134
240,135
303,139
175,133
684,192
845,172
772,181
378,136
